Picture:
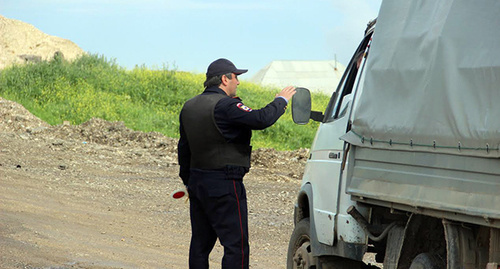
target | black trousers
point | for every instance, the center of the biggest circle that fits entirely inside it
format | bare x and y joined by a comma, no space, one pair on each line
218,209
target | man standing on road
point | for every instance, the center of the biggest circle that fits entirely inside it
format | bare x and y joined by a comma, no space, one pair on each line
214,155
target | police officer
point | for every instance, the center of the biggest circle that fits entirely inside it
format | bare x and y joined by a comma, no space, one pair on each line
214,155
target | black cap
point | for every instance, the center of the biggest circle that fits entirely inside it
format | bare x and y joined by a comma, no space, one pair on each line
223,66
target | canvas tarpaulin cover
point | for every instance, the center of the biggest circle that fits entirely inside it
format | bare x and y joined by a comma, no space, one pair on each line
432,79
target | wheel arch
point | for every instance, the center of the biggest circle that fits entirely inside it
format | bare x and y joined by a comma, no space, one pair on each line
304,209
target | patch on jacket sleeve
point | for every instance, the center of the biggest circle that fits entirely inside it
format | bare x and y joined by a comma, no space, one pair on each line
243,107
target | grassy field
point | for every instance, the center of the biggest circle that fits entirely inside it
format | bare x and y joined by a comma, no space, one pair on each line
144,99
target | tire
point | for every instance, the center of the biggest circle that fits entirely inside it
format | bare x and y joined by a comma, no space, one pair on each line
427,261
300,254
299,249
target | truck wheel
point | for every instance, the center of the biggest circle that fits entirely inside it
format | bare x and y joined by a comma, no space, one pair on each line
299,254
427,261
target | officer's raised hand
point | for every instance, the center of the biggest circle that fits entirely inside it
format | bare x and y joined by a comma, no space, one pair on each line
287,92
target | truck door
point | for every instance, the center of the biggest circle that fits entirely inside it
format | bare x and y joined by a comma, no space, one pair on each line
327,152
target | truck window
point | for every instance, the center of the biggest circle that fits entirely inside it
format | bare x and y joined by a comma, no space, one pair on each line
335,109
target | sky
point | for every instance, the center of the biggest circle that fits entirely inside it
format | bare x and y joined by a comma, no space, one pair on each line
187,35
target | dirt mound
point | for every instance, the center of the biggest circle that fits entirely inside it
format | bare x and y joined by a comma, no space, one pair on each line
21,42
291,163
14,118
114,134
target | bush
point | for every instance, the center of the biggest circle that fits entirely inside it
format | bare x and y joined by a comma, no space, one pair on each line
144,99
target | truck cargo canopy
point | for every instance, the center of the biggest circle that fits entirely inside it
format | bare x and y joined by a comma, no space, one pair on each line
432,79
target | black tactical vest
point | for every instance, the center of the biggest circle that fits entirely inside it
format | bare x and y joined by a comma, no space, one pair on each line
209,149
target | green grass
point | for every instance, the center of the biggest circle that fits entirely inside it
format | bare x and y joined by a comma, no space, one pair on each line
144,99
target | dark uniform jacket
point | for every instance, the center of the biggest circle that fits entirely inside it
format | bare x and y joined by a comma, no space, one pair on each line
235,122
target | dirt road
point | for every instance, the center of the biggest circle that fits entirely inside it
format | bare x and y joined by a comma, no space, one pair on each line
97,195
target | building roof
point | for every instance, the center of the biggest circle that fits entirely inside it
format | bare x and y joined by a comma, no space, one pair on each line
322,76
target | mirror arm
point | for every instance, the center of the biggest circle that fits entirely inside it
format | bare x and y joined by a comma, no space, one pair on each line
317,116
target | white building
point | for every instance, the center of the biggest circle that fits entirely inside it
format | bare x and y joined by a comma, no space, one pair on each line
318,76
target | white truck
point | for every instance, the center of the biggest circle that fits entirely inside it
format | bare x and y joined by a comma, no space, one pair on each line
406,160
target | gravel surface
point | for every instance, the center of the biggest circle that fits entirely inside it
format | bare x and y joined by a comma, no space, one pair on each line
97,195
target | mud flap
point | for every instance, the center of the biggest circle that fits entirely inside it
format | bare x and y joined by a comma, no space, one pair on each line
394,246
494,256
461,247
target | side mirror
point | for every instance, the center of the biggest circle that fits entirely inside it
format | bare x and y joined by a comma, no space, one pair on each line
301,106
